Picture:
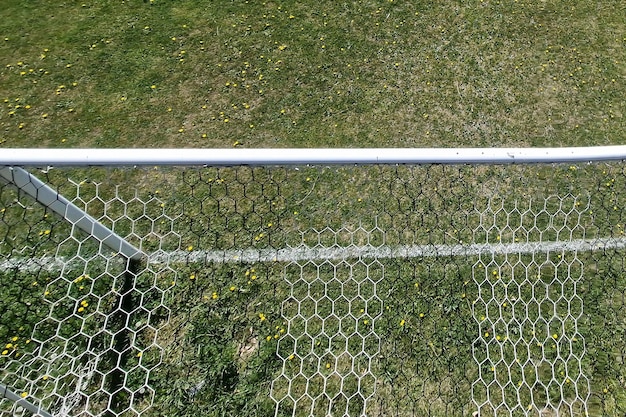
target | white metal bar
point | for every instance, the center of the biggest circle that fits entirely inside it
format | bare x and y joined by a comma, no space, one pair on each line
48,197
101,157
5,392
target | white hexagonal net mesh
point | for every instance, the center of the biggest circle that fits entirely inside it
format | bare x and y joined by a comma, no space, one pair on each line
314,291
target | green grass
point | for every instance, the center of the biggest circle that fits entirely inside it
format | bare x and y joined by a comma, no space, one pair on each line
270,74
286,74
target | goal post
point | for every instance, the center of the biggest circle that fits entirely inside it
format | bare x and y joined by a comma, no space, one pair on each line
306,282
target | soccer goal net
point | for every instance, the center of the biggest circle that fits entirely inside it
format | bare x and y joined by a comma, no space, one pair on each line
327,286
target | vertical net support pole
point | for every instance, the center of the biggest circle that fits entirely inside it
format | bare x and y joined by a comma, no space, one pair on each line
121,341
52,200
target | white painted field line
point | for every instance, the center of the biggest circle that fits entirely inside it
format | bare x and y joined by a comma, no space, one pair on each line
46,263
307,253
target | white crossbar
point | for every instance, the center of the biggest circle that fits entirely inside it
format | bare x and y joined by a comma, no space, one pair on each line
230,157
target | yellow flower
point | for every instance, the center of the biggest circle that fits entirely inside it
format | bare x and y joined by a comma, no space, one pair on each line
24,395
402,322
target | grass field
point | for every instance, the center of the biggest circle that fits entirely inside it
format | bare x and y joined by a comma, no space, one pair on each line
391,336
278,74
